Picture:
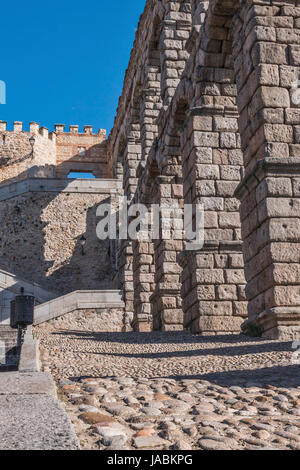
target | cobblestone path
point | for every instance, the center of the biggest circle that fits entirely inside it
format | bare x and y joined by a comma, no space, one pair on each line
176,391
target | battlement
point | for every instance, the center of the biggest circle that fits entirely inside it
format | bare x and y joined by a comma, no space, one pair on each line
74,129
34,128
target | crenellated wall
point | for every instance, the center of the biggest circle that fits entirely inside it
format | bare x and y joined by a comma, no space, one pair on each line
81,152
18,160
53,154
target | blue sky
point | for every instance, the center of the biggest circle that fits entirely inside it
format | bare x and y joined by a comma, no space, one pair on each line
64,61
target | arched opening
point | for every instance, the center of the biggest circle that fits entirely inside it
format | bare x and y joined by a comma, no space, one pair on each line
84,175
213,278
143,253
168,188
119,163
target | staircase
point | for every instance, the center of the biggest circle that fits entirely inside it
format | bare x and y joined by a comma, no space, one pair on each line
77,300
48,306
9,353
10,286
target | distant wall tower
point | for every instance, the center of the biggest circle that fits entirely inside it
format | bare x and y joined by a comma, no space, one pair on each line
81,152
19,160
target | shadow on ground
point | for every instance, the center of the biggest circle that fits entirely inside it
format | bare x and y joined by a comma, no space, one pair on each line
279,376
284,376
263,371
159,337
252,345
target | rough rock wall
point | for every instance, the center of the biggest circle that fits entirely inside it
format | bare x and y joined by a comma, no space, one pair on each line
17,158
87,320
40,241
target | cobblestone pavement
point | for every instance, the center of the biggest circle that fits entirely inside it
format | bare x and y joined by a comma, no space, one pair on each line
175,390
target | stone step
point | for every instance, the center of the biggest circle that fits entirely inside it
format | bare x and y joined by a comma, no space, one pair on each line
9,338
8,334
7,345
10,286
8,368
7,330
9,353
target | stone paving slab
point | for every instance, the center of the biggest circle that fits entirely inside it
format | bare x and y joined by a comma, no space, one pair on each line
14,383
34,423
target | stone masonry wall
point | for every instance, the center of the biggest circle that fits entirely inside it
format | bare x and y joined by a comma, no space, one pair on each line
209,114
17,158
197,161
266,57
213,282
40,240
214,118
87,320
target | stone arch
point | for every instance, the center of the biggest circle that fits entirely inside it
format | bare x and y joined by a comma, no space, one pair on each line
198,8
118,170
245,76
167,304
132,155
161,38
213,277
151,101
153,65
133,152
143,252
174,54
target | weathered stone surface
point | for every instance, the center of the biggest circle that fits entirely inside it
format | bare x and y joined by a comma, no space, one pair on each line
95,418
14,383
34,422
88,319
62,268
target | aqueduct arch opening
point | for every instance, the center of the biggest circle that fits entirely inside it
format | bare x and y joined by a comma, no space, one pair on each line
264,65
